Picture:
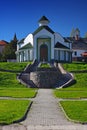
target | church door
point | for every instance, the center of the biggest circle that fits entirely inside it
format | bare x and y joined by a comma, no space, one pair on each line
44,52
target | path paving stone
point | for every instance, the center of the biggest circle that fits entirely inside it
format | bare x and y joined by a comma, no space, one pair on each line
14,127
59,127
45,114
45,110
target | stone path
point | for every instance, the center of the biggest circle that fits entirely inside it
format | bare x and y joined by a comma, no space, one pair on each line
45,110
45,114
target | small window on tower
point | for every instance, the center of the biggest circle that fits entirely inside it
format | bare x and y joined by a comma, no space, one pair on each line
75,53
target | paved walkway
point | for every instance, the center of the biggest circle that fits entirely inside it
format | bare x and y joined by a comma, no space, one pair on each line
45,110
45,114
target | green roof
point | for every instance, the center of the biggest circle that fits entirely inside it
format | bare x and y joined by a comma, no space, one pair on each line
28,46
59,45
43,27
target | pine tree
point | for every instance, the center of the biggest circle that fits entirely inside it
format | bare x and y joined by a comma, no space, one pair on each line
10,49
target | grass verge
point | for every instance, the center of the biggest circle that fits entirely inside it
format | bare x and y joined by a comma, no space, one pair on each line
75,110
75,66
13,110
18,92
70,94
78,90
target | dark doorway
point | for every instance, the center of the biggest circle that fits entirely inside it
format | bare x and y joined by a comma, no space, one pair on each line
44,52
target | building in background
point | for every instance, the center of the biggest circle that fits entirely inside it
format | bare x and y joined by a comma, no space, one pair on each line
79,45
2,45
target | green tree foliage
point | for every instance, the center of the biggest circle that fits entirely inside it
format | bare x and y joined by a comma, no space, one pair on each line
0,57
10,49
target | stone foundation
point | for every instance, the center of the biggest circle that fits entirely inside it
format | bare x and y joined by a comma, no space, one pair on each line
44,79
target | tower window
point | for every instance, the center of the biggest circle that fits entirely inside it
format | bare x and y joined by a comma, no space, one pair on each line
75,53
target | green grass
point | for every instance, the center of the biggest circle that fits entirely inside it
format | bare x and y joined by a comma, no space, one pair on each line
71,94
75,66
16,66
8,80
12,110
78,90
45,65
9,85
75,110
18,92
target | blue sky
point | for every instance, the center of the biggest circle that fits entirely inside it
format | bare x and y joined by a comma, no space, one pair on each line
21,16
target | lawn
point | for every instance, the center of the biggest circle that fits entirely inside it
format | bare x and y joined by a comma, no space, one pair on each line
10,87
12,110
75,66
78,90
45,65
18,92
16,66
75,110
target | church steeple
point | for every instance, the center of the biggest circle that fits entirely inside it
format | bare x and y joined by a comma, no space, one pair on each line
43,21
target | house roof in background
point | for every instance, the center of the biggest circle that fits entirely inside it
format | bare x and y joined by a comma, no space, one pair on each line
84,54
3,43
80,44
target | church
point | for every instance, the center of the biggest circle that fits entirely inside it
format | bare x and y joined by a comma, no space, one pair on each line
44,44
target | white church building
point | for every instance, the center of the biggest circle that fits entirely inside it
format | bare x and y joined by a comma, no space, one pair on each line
44,44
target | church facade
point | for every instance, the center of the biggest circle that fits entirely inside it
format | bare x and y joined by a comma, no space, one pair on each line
44,45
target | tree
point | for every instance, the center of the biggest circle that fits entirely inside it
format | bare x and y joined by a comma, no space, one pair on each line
0,57
10,49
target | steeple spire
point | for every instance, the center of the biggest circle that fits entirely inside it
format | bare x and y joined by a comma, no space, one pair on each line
43,21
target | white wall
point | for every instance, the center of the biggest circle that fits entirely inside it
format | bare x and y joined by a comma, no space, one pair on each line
28,39
79,52
44,34
59,38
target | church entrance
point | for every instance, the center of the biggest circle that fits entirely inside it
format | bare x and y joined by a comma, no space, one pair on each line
44,52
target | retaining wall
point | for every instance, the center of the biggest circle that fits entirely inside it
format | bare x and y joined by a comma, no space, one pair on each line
44,79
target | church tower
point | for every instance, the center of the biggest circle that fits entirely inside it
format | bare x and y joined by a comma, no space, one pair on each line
43,21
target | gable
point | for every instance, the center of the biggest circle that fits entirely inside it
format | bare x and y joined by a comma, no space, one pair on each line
43,27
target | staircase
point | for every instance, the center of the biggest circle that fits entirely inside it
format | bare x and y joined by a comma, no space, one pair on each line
65,78
24,76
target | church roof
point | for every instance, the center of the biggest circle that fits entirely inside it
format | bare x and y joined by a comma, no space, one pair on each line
43,27
43,18
27,46
80,44
21,41
60,45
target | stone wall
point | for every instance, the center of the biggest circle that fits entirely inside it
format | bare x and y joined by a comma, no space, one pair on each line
44,79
